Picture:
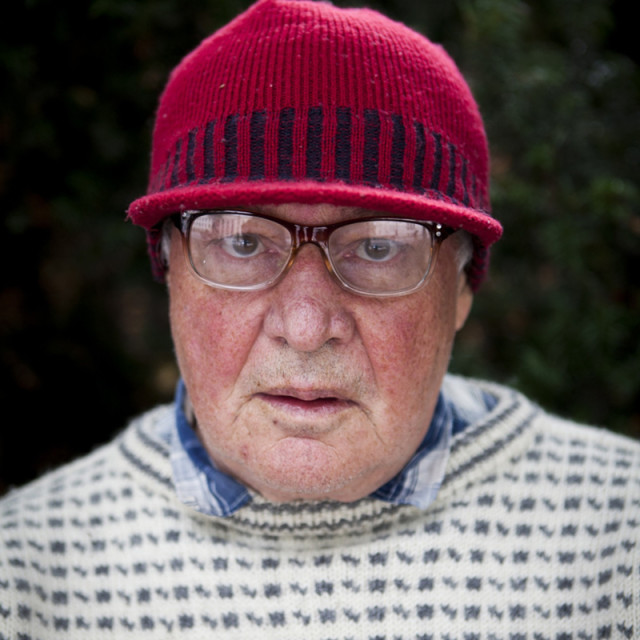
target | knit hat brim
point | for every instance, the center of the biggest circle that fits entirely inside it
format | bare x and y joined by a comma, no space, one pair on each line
149,210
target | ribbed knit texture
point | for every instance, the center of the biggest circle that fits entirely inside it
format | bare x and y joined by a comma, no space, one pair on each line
534,536
299,101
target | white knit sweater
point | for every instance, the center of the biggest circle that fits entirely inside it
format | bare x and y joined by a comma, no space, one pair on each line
534,536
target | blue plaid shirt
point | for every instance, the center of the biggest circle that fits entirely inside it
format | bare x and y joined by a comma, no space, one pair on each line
204,487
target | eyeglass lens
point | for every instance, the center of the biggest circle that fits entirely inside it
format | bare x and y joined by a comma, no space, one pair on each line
374,256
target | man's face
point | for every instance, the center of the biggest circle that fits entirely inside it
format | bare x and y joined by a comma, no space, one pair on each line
307,391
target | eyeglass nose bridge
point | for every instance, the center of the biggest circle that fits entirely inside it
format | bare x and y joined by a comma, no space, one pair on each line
308,234
304,234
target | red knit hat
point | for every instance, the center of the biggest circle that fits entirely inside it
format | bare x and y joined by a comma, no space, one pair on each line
300,101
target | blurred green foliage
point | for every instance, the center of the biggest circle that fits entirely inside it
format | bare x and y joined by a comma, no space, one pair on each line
84,339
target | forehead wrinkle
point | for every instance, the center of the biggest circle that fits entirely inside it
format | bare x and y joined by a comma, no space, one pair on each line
321,213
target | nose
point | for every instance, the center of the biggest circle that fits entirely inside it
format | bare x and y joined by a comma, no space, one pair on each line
307,309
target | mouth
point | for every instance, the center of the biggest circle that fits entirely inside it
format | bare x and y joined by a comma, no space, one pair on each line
316,401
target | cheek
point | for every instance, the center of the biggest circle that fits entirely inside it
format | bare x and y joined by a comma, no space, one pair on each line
409,353
212,337
403,345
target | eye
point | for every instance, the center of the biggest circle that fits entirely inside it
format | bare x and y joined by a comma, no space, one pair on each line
377,249
244,245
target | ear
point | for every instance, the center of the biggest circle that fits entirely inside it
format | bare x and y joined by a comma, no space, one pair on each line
463,302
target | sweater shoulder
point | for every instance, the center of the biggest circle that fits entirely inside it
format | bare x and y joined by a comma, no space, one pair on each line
517,433
554,426
578,448
109,465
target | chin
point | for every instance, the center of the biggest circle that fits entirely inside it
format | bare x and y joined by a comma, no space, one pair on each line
306,469
313,484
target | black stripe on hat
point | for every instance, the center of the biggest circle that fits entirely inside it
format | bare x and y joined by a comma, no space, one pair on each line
285,143
437,161
165,171
371,154
314,142
343,143
230,148
421,150
465,170
451,184
175,172
191,149
257,127
397,151
208,165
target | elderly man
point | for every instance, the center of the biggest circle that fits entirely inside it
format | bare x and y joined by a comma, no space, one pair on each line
318,207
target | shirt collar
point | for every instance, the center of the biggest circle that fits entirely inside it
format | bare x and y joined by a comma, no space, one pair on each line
199,483
204,487
418,483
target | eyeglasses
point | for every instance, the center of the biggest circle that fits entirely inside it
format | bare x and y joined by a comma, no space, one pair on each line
243,251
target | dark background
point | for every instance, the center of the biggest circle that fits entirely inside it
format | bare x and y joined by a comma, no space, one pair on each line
84,340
